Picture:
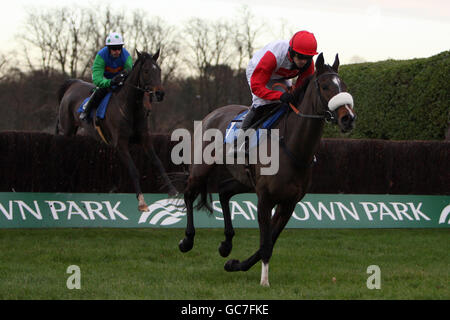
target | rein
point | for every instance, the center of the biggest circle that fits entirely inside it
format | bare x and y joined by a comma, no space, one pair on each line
151,91
148,90
328,116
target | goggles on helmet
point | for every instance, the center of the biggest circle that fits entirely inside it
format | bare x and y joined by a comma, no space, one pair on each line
299,55
115,47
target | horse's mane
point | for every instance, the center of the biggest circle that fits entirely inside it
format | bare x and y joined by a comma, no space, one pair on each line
299,93
141,57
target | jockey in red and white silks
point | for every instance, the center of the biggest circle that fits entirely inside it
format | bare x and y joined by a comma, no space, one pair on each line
278,62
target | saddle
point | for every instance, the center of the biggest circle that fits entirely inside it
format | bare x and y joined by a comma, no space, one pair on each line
267,121
99,110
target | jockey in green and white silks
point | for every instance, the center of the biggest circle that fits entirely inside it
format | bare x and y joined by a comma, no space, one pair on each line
111,65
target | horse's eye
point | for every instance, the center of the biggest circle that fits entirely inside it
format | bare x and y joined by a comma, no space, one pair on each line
325,87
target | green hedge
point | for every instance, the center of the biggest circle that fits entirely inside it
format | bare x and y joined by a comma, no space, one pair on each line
399,100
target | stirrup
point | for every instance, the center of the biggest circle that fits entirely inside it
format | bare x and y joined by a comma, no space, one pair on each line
83,115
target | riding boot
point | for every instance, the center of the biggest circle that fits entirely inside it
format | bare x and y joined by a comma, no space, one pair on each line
248,119
87,107
255,114
95,98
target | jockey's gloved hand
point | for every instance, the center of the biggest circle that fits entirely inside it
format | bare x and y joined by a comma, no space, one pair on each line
287,98
117,80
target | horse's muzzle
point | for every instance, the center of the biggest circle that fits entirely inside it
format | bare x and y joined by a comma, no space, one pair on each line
346,118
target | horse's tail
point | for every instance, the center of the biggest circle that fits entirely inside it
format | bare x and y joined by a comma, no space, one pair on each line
205,200
180,180
63,88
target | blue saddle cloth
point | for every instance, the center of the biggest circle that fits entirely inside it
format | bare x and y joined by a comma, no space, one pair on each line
101,109
235,124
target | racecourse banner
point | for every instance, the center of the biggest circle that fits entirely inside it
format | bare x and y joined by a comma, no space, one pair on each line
107,210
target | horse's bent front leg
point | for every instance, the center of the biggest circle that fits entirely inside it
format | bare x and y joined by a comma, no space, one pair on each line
124,155
156,162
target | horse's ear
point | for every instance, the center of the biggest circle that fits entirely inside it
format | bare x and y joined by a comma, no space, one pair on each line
138,53
320,62
156,55
336,63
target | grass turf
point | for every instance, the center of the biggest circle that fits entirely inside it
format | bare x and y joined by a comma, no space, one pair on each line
146,264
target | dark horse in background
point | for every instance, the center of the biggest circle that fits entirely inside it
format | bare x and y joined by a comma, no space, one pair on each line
325,97
125,119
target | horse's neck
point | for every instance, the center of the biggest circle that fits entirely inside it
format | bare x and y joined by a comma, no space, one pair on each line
130,95
303,134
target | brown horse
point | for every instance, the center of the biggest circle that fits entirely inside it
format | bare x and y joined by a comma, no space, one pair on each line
125,119
325,97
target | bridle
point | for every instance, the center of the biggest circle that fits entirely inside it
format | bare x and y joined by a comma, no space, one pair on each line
146,89
329,116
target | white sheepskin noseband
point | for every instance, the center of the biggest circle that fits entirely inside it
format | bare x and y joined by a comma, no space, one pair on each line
339,100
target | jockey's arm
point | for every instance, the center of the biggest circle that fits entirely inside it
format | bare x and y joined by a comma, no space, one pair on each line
98,69
261,76
128,64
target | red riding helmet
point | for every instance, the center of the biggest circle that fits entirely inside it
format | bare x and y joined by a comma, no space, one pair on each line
304,42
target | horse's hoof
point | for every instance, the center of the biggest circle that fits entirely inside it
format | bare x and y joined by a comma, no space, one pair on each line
143,207
185,245
225,248
232,265
265,283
